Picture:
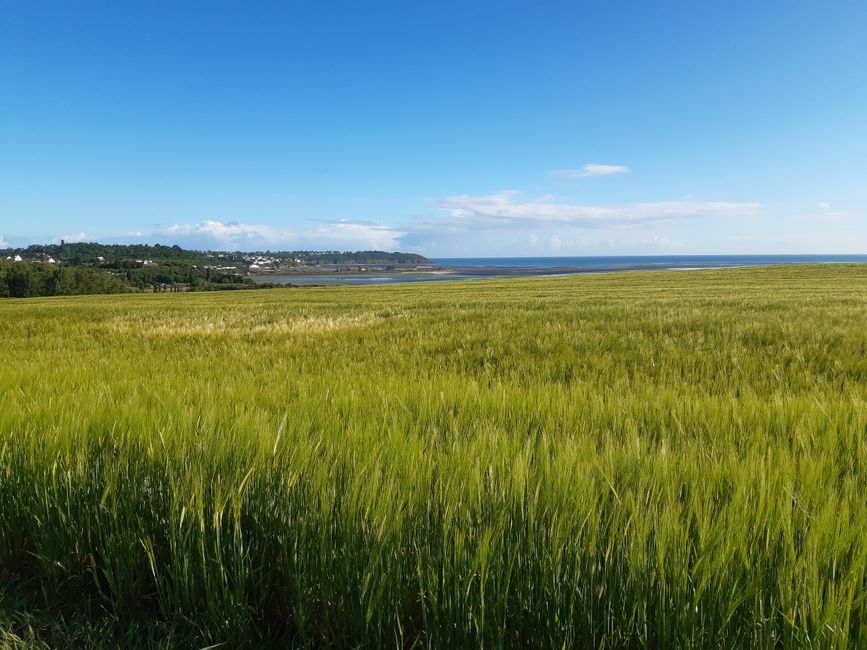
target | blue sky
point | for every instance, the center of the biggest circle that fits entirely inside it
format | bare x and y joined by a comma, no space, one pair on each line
446,128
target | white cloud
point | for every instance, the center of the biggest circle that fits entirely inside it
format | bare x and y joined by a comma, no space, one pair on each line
506,209
76,237
220,232
824,215
661,242
358,235
591,169
343,235
507,223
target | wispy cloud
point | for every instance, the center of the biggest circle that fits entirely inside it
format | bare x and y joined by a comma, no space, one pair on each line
507,223
217,231
74,237
357,234
591,169
507,209
341,234
824,205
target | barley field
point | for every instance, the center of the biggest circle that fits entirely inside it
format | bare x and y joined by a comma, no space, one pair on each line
661,460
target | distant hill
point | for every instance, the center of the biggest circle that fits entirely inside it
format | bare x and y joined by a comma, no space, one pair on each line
86,268
288,260
92,253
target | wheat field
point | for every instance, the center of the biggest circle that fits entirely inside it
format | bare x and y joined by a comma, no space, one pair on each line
661,459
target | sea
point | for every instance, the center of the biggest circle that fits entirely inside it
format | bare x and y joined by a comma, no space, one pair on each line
480,268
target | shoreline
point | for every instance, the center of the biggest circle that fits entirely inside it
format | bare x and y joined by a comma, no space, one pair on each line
462,273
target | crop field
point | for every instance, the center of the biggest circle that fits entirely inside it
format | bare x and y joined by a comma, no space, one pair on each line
663,459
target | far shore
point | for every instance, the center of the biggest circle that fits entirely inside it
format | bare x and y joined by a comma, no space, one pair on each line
315,270
502,269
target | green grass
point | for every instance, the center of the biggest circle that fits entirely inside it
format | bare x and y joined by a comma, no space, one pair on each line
660,459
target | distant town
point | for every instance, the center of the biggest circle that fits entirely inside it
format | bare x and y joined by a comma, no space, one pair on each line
320,261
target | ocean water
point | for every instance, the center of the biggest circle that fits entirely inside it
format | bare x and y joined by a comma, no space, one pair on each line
479,268
641,262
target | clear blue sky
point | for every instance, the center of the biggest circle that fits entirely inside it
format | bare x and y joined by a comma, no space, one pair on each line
447,128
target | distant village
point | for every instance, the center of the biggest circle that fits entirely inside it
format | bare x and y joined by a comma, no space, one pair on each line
47,259
317,261
140,256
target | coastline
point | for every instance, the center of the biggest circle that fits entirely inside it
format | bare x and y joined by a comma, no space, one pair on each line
467,269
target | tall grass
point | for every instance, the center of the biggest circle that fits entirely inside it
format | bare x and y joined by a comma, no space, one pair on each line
630,460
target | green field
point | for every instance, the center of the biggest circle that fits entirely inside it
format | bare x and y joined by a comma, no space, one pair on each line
665,459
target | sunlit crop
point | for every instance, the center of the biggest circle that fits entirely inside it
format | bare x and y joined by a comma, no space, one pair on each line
666,459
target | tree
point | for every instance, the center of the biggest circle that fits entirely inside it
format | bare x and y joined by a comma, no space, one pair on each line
19,281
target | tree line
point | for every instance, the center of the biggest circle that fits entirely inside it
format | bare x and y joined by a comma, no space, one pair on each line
31,279
27,280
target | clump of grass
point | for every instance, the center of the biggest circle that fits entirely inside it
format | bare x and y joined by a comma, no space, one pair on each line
657,459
